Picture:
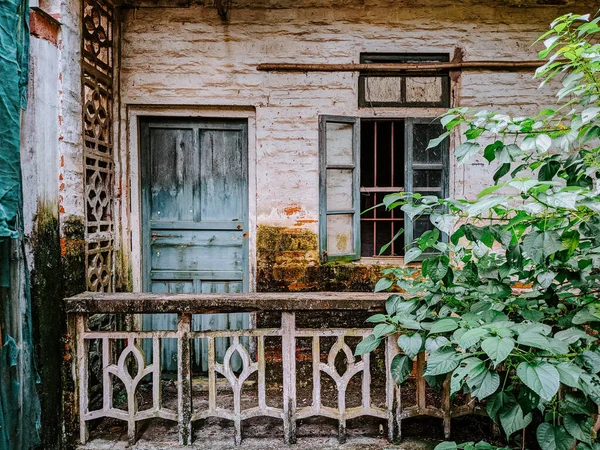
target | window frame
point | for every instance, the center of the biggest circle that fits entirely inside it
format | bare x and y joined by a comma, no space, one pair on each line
390,58
410,168
323,166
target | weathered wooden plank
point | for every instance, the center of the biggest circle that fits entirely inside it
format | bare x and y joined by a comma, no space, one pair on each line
187,257
173,186
222,175
163,225
197,238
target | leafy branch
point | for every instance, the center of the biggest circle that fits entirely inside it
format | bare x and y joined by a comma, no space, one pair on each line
505,303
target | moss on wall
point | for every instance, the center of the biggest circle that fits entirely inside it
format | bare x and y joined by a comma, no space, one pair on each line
58,271
72,251
288,260
47,288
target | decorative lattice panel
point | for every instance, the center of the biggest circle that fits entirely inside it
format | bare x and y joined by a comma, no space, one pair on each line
97,79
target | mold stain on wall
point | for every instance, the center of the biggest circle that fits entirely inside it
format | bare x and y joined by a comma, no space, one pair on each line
58,272
288,260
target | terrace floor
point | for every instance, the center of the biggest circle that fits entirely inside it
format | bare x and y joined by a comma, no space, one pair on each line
219,436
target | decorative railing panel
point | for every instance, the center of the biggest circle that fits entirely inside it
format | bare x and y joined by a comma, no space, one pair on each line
123,359
97,81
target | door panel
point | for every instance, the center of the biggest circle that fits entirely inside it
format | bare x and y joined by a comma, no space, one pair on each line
220,159
174,183
195,215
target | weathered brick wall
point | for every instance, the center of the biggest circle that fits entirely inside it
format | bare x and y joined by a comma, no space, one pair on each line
188,56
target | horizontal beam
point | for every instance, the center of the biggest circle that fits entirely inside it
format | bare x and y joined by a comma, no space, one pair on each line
403,67
117,303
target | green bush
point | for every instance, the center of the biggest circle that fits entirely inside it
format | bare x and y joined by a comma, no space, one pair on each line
532,353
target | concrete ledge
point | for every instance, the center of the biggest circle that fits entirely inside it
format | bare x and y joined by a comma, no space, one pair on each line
148,303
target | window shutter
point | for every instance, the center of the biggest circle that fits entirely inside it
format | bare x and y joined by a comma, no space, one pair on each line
427,171
339,183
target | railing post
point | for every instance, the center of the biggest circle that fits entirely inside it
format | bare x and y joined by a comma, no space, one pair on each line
288,348
446,407
392,394
420,384
82,374
184,384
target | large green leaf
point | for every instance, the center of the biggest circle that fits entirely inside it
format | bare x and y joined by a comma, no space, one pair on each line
412,254
383,329
410,344
523,184
383,284
533,339
528,399
497,348
569,373
443,361
401,368
443,326
551,437
484,384
413,211
438,140
541,244
500,401
367,345
433,343
590,385
436,268
444,222
446,446
586,315
472,337
591,360
577,403
466,151
580,427
483,206
541,377
512,419
557,346
548,171
377,318
572,335
469,366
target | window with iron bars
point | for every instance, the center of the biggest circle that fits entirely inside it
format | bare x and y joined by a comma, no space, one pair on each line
363,160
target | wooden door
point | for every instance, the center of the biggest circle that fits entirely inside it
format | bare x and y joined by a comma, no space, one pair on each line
195,218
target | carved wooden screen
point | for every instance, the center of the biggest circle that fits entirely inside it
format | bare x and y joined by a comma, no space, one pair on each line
97,80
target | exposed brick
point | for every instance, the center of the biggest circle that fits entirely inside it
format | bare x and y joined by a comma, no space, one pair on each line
43,26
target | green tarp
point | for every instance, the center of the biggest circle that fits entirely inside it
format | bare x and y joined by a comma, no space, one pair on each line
19,404
14,63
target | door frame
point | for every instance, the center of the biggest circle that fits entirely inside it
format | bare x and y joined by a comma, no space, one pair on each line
131,176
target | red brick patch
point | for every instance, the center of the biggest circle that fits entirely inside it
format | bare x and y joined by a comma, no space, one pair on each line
43,26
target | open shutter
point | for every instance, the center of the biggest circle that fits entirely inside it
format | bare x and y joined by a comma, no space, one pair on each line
339,183
426,169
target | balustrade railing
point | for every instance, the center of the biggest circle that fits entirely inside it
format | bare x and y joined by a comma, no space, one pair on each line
123,361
